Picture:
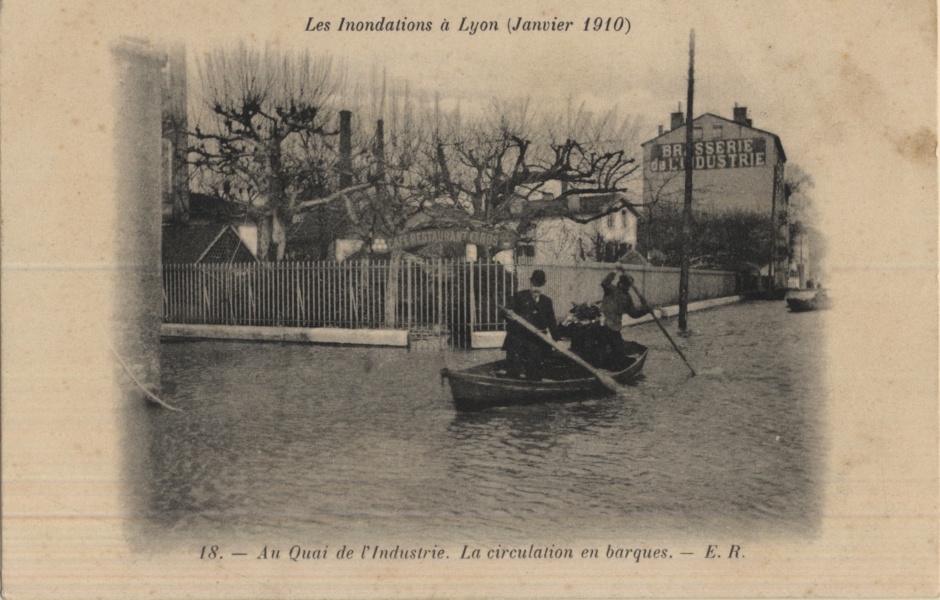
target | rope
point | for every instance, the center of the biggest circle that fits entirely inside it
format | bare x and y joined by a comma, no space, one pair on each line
150,394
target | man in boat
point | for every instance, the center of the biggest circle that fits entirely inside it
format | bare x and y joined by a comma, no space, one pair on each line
526,353
617,302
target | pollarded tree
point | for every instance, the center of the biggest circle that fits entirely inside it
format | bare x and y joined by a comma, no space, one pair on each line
264,141
387,181
487,165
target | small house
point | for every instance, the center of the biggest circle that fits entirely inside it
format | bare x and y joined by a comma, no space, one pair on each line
204,243
585,227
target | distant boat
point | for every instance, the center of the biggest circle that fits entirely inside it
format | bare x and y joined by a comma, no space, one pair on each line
487,385
806,300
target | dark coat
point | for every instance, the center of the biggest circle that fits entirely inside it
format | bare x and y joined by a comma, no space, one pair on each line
540,313
525,352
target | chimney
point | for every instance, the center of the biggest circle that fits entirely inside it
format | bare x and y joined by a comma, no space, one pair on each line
379,151
345,149
676,120
740,115
660,130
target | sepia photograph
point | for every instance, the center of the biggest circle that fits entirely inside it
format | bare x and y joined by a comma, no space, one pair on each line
617,300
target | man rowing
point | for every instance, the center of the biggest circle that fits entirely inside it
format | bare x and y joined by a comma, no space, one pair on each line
525,352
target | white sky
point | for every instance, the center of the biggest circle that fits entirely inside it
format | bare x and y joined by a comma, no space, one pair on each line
846,86
850,87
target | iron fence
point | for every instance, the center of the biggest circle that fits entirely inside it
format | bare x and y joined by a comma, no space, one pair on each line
444,298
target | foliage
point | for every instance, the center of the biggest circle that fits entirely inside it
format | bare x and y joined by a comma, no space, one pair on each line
731,239
798,186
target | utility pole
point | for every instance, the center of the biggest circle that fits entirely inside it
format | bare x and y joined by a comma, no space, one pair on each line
687,206
774,234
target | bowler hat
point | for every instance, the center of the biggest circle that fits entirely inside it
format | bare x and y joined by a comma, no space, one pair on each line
538,278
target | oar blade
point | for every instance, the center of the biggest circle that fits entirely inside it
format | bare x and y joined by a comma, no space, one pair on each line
610,382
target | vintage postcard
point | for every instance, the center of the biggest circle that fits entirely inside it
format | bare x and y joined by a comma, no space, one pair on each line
474,300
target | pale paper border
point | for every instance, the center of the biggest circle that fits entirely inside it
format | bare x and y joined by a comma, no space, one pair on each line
868,95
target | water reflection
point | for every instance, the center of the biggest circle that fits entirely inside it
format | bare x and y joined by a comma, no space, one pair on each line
293,438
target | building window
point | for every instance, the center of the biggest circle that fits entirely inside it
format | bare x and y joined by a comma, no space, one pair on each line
697,133
716,131
623,217
610,221
525,251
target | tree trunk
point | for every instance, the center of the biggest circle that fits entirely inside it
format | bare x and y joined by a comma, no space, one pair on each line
277,199
264,238
278,236
391,288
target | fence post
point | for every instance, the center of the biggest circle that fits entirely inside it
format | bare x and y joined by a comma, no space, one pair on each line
205,294
440,295
471,292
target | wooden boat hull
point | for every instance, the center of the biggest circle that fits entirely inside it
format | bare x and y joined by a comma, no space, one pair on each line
803,301
485,385
800,305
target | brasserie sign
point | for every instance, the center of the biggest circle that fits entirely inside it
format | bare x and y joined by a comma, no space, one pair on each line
713,154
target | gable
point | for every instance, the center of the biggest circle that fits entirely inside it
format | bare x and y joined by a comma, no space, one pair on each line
729,129
213,242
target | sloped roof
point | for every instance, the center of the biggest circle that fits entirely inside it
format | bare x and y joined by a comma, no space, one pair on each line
583,207
306,226
203,207
211,242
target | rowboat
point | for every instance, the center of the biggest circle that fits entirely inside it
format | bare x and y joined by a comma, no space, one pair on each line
802,301
488,385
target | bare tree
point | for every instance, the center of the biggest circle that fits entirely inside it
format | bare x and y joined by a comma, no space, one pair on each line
490,164
269,141
265,142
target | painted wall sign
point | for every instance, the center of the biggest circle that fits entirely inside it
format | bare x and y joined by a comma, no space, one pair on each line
712,154
421,238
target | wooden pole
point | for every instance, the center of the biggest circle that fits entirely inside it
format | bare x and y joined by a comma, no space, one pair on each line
687,206
663,328
774,231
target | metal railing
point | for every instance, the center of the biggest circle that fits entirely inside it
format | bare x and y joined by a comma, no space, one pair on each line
438,297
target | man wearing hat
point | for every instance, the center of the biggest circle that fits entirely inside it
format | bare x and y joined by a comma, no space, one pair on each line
616,303
525,353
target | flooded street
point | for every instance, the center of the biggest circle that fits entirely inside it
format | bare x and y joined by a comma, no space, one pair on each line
364,444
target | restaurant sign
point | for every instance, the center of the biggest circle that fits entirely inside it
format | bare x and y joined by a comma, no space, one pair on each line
489,239
714,154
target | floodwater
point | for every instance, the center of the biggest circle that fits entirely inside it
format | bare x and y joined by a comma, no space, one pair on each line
357,444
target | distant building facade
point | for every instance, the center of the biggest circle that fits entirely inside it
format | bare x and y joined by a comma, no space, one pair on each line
736,167
586,227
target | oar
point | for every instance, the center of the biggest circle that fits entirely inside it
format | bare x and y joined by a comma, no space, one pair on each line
658,322
608,381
